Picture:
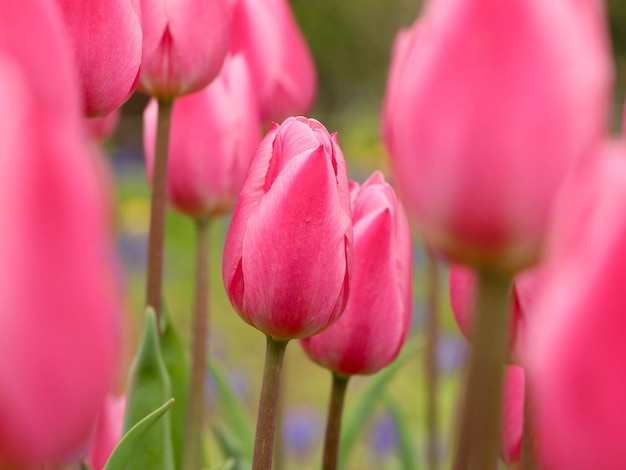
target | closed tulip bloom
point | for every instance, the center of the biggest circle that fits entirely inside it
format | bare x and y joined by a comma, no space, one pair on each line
512,415
372,329
101,129
283,69
106,38
184,45
214,134
576,348
58,309
494,106
288,251
526,288
107,432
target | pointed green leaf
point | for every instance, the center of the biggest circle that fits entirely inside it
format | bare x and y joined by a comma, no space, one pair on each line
149,387
176,359
122,454
232,448
227,465
359,414
405,444
236,415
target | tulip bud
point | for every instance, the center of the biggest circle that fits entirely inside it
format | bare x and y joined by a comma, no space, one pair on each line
493,107
107,432
106,37
266,32
213,137
184,45
512,415
576,349
372,329
288,251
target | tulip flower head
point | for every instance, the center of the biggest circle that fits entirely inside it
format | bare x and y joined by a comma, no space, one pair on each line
106,38
288,251
512,415
184,45
214,134
372,329
495,104
107,432
266,32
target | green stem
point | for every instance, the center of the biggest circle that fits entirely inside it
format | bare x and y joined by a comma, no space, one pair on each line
333,425
479,436
529,459
157,209
266,421
192,445
430,358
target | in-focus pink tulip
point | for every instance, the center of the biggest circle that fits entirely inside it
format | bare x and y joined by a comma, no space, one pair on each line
214,135
283,69
576,350
374,325
106,37
184,45
512,415
493,107
525,290
101,129
288,251
107,431
58,305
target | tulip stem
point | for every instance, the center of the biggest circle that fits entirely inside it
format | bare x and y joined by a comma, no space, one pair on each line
192,445
266,420
430,358
333,425
480,421
529,459
157,210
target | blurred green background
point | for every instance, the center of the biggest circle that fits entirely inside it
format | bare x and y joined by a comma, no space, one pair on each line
350,41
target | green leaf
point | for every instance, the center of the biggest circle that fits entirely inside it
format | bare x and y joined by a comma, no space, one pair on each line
176,359
149,387
359,414
125,450
232,448
405,444
227,465
236,415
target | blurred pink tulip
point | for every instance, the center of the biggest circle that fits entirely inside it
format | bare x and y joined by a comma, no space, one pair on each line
576,349
101,129
512,415
106,37
107,432
58,302
494,105
288,251
525,290
214,135
184,45
283,69
374,325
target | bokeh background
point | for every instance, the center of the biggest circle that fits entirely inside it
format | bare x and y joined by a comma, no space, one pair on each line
351,42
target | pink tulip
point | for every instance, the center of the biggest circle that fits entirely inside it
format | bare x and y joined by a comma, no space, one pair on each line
106,37
512,415
374,325
283,69
493,107
184,45
576,349
524,292
214,134
101,129
288,251
107,432
58,305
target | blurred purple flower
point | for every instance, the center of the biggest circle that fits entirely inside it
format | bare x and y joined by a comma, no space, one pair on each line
452,353
302,431
383,437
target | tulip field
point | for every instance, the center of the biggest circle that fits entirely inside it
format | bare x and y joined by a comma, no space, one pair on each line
280,234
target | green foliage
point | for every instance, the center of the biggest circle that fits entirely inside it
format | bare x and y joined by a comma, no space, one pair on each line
406,449
148,388
124,454
176,360
232,448
360,413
